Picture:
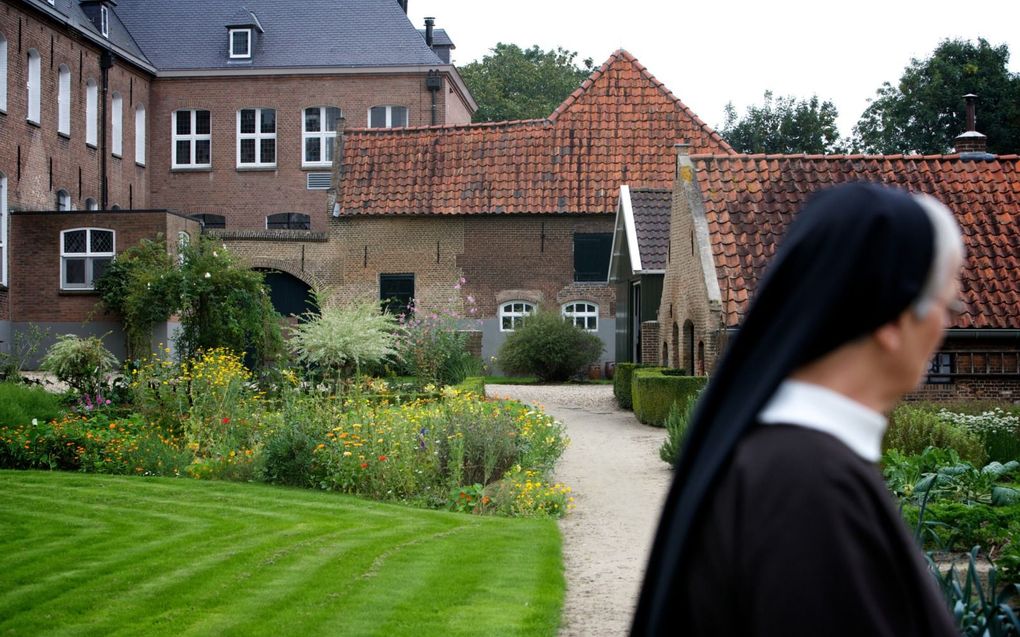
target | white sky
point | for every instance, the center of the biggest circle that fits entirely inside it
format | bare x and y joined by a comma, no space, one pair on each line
710,53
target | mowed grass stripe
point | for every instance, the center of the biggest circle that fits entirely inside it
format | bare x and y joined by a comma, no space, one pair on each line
164,556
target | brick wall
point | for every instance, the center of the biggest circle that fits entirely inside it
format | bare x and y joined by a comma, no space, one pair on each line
36,159
651,350
690,290
246,197
35,237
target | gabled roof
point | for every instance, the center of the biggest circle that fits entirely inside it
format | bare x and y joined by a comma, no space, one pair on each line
750,199
619,127
439,38
183,35
71,13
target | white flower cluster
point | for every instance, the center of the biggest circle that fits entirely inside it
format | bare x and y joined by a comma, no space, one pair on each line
992,421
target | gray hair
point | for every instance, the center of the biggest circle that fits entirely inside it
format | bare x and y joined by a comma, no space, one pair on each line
947,256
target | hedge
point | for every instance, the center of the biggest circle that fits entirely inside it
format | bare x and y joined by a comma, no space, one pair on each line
622,382
654,392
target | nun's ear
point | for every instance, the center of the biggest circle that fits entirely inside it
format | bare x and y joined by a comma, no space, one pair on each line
889,337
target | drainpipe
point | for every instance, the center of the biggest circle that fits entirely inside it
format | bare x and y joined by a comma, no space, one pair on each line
105,64
434,82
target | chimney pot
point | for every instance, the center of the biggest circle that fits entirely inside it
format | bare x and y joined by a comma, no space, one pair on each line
429,24
971,144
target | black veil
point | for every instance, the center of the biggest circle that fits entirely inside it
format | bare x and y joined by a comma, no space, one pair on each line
855,258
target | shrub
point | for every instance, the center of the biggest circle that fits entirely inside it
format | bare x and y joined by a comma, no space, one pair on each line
434,348
23,347
654,393
998,430
956,526
82,363
342,339
677,422
19,404
288,456
912,430
622,381
549,347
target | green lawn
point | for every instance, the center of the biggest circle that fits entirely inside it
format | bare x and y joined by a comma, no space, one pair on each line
96,555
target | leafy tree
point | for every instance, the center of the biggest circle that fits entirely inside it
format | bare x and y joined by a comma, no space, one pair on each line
516,83
925,110
783,125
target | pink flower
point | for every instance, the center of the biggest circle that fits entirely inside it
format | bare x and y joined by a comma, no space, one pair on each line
470,299
224,421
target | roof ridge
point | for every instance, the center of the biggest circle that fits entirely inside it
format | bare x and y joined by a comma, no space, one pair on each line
512,123
844,156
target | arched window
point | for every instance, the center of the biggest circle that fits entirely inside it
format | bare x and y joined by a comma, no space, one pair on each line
318,133
3,73
183,241
288,221
701,359
34,85
84,255
3,229
117,125
63,100
210,220
676,346
140,134
512,313
91,113
689,347
582,314
63,201
91,204
387,116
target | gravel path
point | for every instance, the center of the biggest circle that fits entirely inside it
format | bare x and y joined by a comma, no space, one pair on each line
619,484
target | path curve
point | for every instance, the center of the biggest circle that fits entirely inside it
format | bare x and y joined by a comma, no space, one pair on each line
619,483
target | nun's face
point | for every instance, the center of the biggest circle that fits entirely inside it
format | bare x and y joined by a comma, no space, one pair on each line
924,335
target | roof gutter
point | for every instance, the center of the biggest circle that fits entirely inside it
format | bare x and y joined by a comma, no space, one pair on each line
1004,334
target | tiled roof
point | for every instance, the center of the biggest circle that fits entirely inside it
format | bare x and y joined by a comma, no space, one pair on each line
750,199
619,127
178,35
651,208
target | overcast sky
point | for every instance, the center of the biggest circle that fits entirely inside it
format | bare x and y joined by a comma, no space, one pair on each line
711,53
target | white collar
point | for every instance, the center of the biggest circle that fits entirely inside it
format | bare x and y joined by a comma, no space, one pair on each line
815,407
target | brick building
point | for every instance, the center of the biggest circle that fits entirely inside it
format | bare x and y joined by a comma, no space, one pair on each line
192,108
730,211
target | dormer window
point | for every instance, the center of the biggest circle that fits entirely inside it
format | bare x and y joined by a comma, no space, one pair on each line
104,21
240,44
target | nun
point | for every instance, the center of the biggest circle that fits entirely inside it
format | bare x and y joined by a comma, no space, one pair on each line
778,521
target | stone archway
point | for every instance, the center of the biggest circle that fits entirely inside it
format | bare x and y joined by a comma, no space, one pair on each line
676,347
689,347
291,296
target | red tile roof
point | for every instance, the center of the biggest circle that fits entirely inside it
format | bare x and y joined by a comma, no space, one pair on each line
619,127
749,200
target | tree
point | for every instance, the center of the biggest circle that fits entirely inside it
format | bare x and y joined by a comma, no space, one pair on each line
515,83
783,125
925,110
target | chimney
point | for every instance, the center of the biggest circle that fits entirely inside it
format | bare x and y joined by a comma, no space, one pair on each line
683,153
430,23
403,5
971,144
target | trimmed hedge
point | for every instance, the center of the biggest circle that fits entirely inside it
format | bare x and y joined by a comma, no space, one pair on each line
622,382
653,393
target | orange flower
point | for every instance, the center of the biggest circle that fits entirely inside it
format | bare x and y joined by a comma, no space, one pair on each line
364,465
382,458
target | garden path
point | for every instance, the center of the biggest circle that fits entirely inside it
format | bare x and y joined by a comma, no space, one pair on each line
619,482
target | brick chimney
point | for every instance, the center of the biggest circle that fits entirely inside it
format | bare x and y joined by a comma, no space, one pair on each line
971,142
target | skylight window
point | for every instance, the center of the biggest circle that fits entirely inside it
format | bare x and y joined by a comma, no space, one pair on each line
240,43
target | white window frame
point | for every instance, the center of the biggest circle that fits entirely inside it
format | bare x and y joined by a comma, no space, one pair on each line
515,315
64,100
192,138
91,113
89,256
587,312
230,42
140,134
3,229
64,201
389,115
259,138
104,21
3,73
117,125
324,136
33,86
91,204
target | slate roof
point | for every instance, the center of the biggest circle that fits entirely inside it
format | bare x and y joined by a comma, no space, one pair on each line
439,37
619,127
750,199
71,11
181,35
651,207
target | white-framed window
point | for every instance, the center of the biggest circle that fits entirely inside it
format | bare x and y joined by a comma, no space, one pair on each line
3,73
91,204
192,138
34,86
318,132
140,134
3,229
256,138
387,116
104,21
512,313
63,100
91,113
64,201
84,255
117,125
583,314
240,43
